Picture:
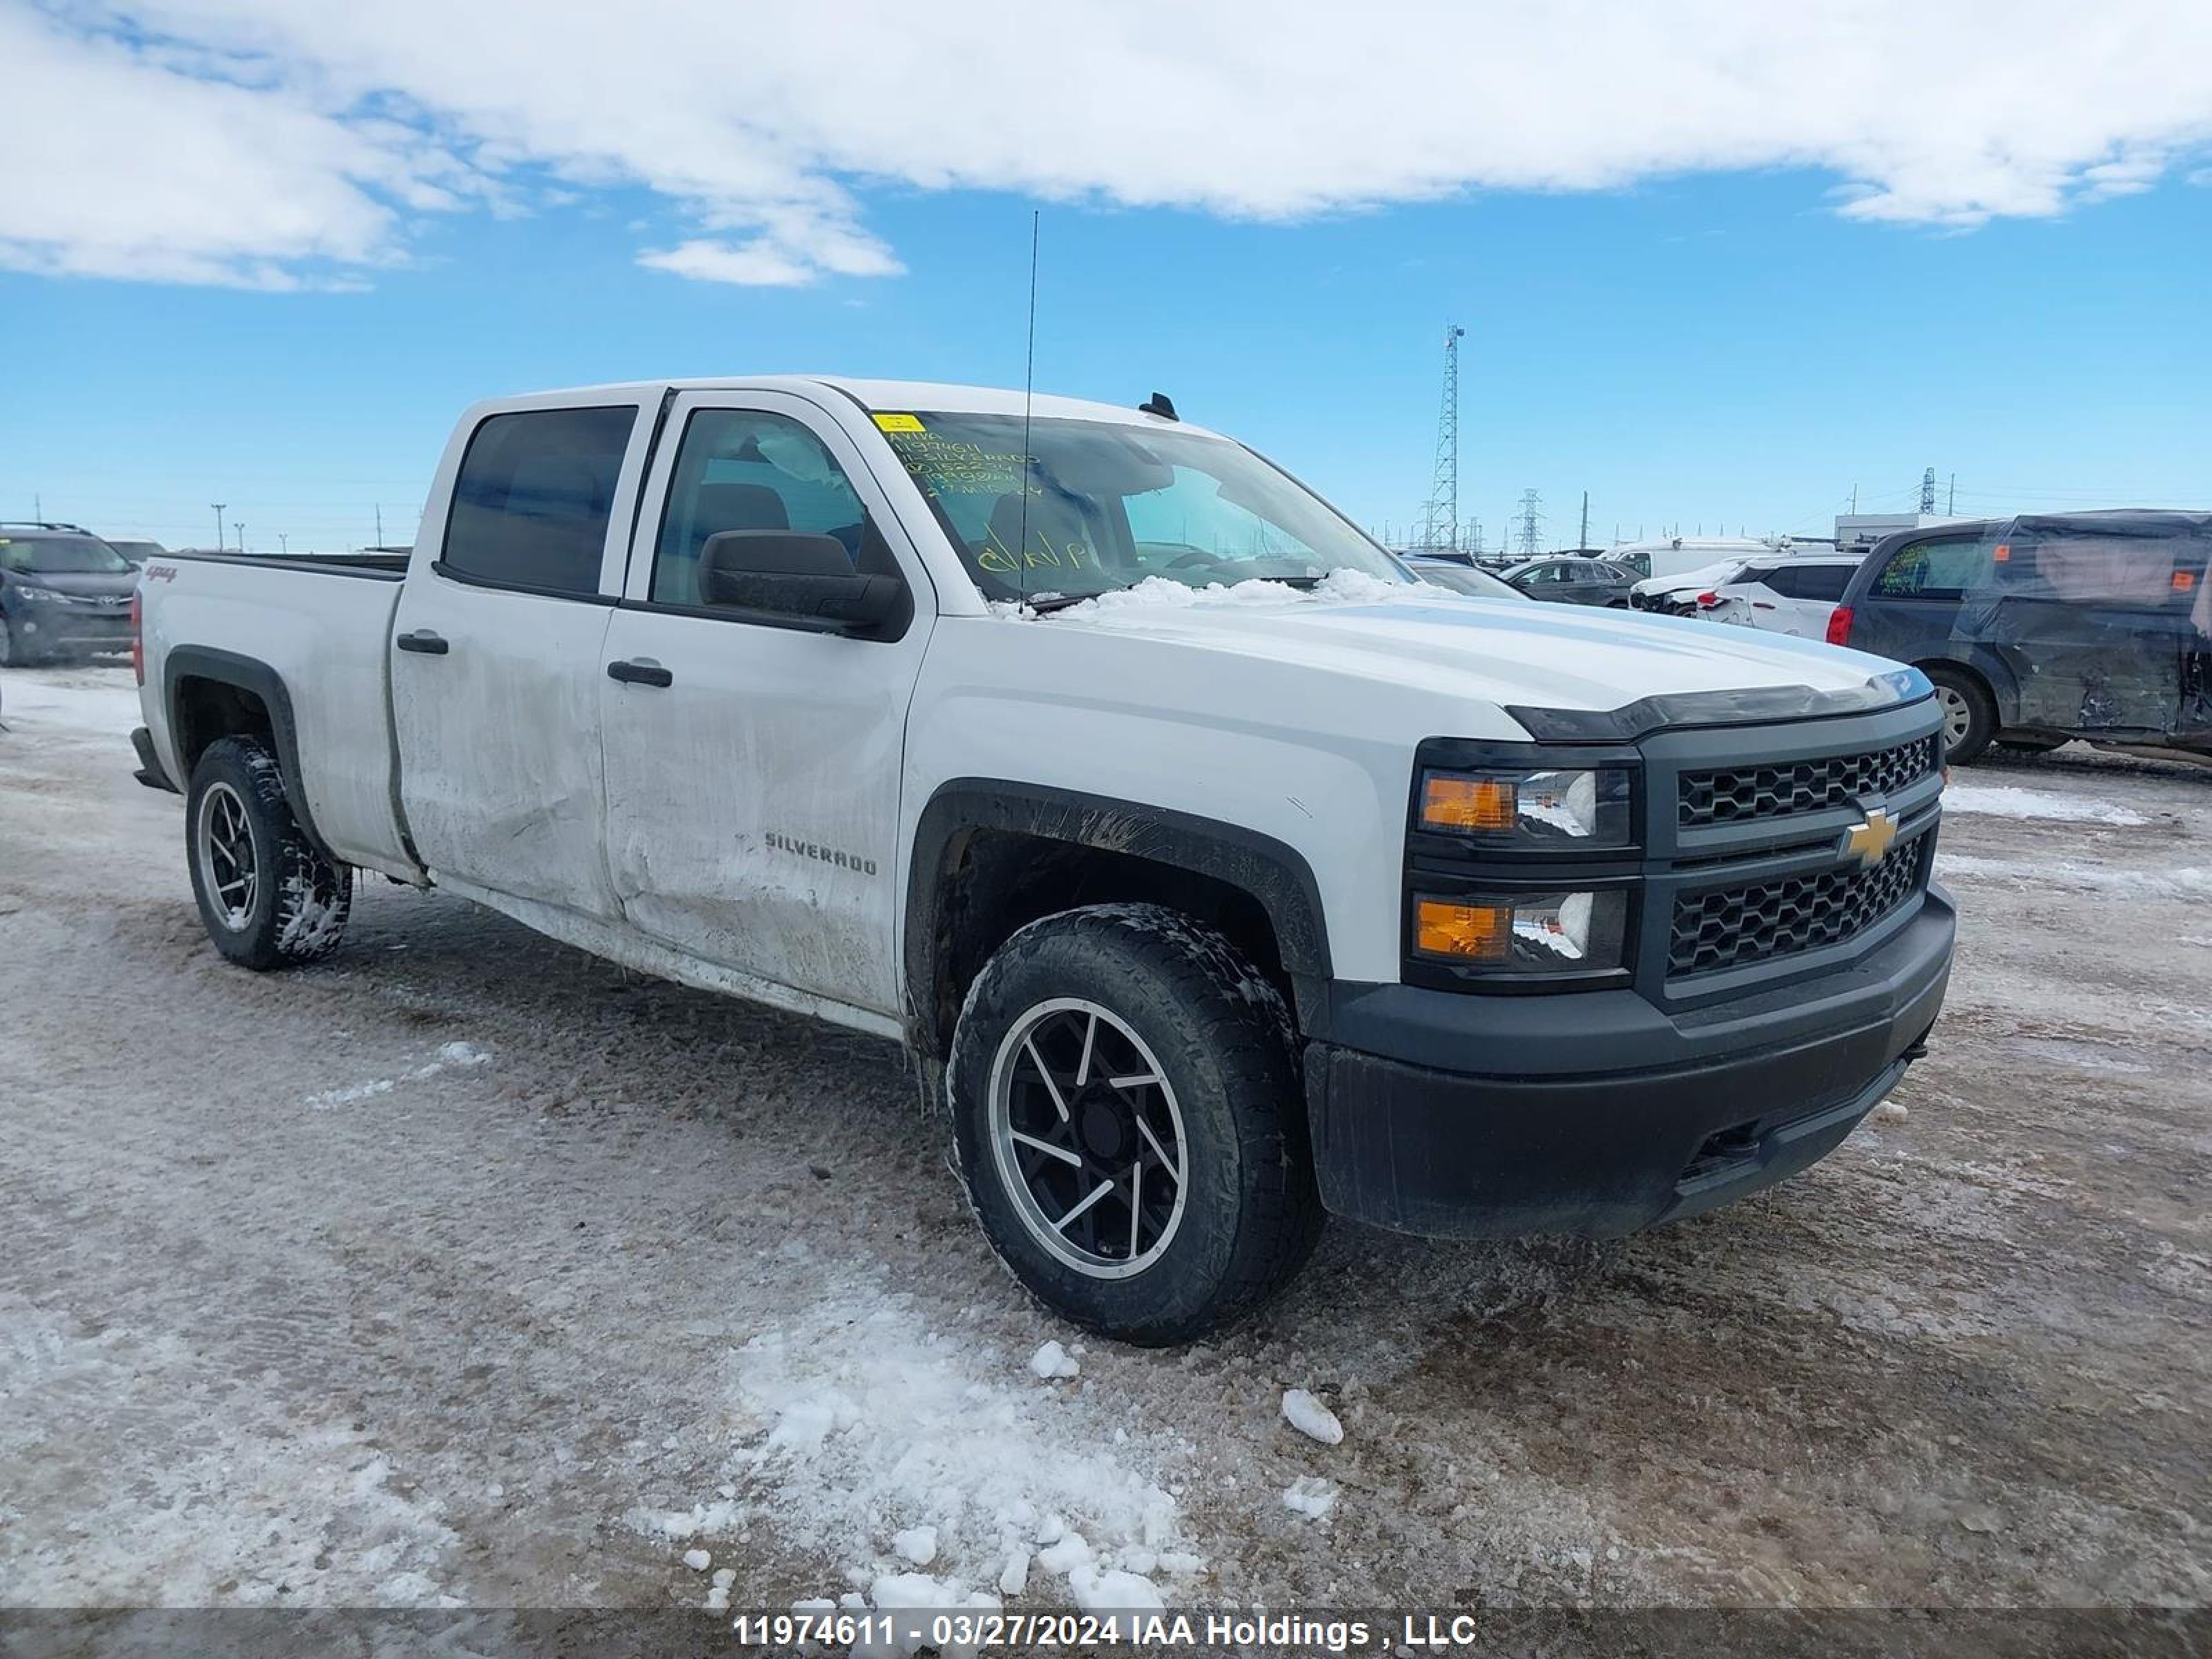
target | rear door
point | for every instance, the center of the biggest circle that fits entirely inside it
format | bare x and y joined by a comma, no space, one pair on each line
753,765
1794,598
1909,609
1810,597
497,658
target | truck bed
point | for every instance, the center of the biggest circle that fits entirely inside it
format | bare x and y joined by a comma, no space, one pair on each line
381,567
319,621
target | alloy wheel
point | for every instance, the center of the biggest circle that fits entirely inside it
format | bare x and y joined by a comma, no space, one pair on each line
1088,1138
229,869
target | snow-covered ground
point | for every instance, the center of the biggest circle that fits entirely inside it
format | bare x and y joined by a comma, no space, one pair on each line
2010,801
466,1268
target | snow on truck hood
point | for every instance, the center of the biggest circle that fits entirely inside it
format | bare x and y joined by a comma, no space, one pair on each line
1506,652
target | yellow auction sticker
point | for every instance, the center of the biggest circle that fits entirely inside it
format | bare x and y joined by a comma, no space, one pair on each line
898,423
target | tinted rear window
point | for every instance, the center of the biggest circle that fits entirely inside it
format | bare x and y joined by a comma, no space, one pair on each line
536,490
1811,581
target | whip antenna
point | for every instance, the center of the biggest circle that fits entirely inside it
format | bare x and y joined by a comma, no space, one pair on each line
1029,391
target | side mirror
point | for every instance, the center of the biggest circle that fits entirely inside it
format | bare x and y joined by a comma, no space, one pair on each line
787,573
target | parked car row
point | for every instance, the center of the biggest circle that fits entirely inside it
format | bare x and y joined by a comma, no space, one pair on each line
2034,630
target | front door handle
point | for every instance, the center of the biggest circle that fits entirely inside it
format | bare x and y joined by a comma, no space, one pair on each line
423,640
639,671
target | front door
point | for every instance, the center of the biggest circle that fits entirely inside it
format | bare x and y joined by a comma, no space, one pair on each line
496,653
753,766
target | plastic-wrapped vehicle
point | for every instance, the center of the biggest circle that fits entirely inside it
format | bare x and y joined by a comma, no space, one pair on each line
2047,627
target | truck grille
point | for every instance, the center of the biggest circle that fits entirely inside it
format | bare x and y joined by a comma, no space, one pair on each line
1734,926
1736,795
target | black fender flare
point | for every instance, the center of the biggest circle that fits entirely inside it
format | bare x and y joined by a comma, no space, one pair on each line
203,662
1272,872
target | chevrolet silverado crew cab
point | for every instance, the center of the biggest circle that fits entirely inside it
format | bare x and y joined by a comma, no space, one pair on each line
1218,874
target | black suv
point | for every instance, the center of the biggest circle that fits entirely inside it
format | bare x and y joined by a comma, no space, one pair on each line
63,592
2040,629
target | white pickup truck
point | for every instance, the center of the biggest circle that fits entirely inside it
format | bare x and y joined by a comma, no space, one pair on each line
1219,874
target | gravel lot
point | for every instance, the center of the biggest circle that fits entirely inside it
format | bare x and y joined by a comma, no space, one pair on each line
467,1267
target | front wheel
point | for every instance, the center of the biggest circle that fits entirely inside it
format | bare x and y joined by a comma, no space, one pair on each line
267,897
1128,1120
1969,719
14,653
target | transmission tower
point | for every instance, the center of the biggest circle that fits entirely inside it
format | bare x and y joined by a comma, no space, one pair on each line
1528,517
1440,523
1927,491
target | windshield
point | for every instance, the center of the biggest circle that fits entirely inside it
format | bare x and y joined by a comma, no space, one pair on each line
1109,506
62,555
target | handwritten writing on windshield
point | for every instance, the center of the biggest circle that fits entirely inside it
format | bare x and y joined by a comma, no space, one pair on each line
995,557
949,467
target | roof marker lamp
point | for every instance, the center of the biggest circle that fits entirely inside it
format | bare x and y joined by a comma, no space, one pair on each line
1577,811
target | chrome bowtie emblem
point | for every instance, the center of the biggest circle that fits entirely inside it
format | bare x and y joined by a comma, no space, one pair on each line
1869,841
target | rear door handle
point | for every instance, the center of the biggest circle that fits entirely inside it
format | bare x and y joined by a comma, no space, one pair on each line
1760,604
423,640
639,671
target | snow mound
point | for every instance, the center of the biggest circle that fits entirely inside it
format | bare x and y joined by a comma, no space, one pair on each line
1310,1495
1310,1418
874,1439
1053,1361
2183,882
697,1560
2009,801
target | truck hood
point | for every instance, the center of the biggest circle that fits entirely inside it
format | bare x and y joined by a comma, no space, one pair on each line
1508,654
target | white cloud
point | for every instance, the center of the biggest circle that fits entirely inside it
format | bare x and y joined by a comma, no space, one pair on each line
267,143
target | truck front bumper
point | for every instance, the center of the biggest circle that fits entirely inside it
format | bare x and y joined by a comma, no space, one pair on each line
1450,1115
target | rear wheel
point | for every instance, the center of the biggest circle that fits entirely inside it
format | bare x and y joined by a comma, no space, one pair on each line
267,897
1969,720
1129,1124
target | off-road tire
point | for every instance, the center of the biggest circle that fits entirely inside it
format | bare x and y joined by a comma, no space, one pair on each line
1225,1044
1980,714
300,900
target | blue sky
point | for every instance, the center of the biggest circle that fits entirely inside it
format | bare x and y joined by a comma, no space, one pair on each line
1707,344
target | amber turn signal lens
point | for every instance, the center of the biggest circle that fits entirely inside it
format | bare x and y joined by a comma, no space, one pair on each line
1471,932
1483,804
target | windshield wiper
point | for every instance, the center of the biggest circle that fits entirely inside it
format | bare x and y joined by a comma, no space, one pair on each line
1051,602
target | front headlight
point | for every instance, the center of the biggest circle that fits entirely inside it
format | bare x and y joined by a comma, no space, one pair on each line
35,595
1579,809
1535,934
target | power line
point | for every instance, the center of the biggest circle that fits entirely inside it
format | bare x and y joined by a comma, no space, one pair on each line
1440,522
